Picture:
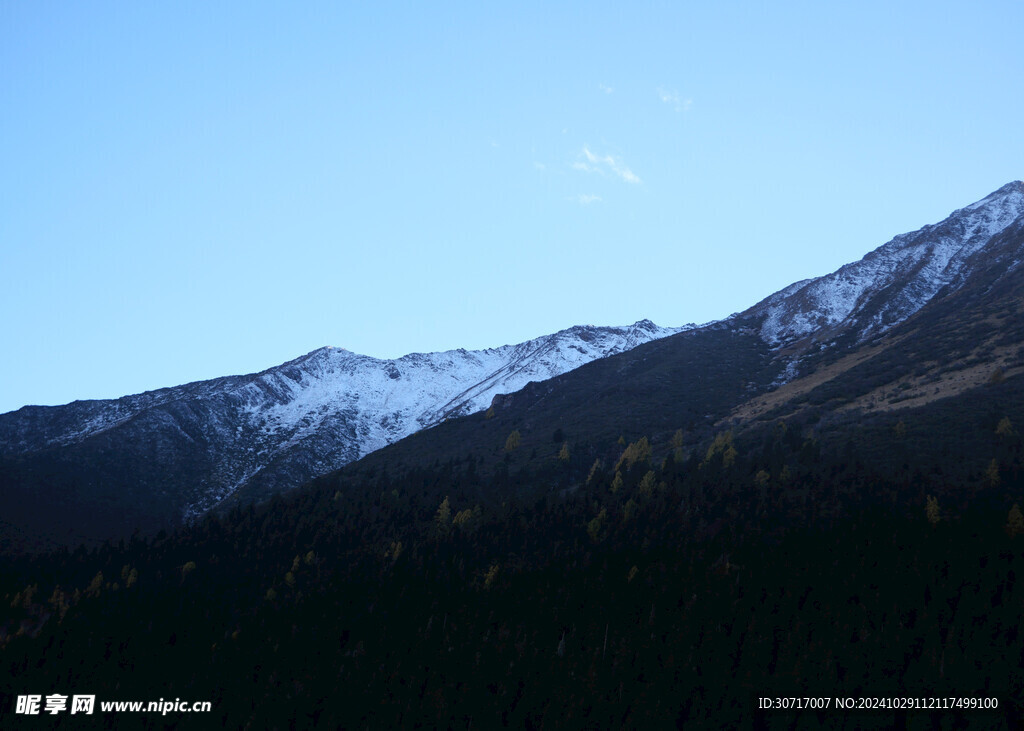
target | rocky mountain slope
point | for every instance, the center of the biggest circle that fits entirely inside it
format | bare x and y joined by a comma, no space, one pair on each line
174,453
930,315
894,281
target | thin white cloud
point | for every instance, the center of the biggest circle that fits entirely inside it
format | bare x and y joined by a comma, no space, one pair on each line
673,98
585,199
584,168
601,163
539,165
605,89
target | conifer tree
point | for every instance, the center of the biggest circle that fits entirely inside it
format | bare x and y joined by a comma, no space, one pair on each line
594,526
467,520
443,517
647,484
677,445
187,569
59,602
1014,522
992,473
721,445
93,590
393,551
616,482
638,452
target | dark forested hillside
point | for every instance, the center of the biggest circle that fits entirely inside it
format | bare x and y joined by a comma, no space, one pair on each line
657,539
593,587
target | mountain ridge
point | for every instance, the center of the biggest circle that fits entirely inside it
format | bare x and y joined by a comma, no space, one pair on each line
256,434
728,374
892,281
176,453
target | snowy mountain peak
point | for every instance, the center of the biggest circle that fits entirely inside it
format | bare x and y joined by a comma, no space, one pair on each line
995,211
892,282
280,428
1012,191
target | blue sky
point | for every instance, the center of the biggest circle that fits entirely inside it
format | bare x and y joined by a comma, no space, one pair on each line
190,190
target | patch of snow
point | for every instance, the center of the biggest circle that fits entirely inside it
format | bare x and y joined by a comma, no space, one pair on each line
920,263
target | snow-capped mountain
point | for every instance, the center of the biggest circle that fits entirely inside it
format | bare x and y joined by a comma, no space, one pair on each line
282,427
156,458
892,282
927,318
